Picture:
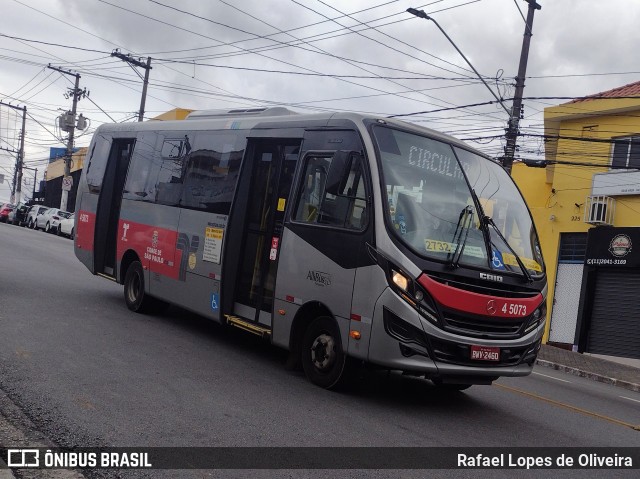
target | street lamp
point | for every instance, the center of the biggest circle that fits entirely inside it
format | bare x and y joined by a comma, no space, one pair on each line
422,14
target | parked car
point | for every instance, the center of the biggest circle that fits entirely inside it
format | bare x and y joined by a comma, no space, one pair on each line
19,215
49,220
5,209
33,213
65,227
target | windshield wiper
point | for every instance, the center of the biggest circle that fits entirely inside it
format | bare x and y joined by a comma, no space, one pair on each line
462,227
486,221
525,271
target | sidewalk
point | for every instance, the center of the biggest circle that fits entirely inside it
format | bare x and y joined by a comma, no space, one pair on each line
587,366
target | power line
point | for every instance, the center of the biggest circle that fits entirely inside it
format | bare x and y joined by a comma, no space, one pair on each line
240,48
52,44
380,43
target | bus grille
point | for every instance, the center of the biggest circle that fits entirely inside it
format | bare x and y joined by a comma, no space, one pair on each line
485,327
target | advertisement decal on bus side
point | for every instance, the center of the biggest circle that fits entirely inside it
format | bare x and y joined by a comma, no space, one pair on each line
155,246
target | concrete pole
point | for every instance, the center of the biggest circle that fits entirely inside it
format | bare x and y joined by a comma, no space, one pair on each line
67,160
514,119
144,89
21,158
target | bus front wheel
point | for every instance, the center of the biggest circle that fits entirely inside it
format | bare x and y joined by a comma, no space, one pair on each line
322,356
135,297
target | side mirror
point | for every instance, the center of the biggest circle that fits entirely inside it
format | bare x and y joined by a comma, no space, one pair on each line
339,172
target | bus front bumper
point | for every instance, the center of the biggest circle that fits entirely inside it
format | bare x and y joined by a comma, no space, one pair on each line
402,339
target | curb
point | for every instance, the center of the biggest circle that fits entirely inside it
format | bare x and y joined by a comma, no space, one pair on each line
586,374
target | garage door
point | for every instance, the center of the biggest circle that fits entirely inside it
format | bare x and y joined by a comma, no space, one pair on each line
566,301
615,318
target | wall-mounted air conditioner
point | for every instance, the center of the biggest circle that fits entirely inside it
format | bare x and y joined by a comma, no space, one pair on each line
599,210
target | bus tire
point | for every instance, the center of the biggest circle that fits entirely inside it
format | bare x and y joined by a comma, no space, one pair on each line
322,356
135,297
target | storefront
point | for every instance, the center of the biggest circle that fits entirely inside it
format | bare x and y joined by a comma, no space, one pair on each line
609,312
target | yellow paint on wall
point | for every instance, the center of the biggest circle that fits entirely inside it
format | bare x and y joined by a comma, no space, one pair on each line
556,195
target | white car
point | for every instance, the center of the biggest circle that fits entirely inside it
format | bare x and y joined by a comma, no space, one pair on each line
49,220
34,212
65,227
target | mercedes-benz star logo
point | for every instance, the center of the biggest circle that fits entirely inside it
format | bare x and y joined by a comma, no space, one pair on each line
491,307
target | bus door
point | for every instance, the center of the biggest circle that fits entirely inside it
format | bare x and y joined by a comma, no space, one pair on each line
255,228
108,210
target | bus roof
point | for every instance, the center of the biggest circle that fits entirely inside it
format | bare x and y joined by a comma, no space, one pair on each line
272,117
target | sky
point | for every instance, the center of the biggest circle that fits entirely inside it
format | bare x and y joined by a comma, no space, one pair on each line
308,55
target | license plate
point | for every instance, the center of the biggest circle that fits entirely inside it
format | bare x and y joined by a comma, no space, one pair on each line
485,353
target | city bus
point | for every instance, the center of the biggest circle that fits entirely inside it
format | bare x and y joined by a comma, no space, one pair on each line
345,238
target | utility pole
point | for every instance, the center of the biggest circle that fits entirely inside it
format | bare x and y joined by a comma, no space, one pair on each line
35,179
144,89
514,119
20,161
132,61
69,126
19,154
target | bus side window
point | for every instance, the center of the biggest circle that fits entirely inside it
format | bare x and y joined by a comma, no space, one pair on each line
211,172
98,162
312,190
355,193
345,209
143,169
171,170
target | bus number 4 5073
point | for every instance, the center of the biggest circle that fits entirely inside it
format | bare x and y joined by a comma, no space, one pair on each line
514,309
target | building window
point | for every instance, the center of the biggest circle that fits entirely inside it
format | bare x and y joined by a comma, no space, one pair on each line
625,153
573,247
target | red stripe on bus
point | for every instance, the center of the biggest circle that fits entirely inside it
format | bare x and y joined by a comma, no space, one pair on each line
476,303
356,317
86,227
156,247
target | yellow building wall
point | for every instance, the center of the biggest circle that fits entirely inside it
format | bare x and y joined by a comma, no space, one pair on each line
556,195
56,168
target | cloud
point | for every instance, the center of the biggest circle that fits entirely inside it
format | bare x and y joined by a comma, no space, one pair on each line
569,37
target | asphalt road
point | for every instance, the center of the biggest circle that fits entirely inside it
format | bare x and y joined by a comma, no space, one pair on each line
88,372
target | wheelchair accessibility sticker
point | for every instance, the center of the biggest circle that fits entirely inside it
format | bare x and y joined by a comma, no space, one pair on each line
496,260
215,301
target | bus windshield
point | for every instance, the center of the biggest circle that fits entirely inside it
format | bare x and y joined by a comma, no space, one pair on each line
449,204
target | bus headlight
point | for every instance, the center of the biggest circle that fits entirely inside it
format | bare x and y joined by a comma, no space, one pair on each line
538,317
400,280
413,294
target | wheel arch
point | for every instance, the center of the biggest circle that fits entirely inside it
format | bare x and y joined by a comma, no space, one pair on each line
127,258
303,318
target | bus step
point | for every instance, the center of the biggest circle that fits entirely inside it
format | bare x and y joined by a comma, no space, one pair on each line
106,276
247,326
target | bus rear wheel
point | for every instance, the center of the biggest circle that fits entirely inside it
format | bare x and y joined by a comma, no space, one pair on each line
135,297
322,356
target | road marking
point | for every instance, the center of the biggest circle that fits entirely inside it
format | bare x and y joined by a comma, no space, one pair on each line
635,427
630,399
551,377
